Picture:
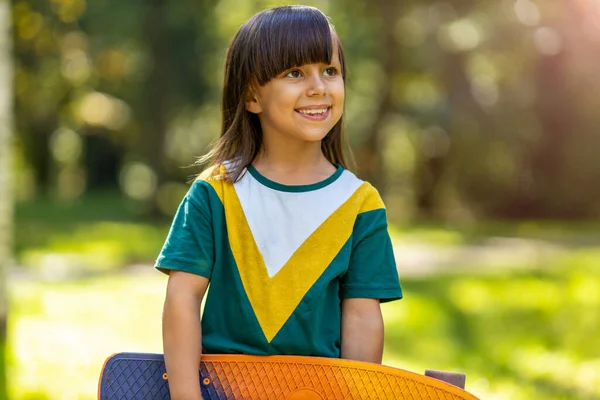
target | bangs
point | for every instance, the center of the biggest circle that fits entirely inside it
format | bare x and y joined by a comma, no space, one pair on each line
287,37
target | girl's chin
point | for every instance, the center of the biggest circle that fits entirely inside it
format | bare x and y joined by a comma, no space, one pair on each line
313,136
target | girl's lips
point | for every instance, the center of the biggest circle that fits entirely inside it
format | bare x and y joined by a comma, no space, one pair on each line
315,117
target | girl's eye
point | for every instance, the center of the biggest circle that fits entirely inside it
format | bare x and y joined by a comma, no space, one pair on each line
331,71
294,74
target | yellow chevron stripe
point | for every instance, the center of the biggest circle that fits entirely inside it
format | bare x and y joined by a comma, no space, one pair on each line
372,199
274,299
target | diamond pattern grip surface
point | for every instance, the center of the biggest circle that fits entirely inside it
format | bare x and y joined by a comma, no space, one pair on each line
138,376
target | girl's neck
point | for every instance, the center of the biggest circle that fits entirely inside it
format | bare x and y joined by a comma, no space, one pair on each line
293,164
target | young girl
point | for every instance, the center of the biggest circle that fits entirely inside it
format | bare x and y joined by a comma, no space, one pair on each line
295,247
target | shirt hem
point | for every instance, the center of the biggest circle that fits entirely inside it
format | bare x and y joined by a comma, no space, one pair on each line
192,269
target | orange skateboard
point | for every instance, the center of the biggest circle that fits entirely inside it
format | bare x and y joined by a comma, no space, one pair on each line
133,376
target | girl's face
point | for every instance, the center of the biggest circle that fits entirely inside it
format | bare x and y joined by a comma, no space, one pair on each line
302,103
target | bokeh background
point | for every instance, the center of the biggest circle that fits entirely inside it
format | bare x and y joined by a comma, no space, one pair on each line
478,121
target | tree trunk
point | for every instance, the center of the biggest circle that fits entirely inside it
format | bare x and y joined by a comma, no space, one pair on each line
369,155
36,150
6,128
556,109
158,93
555,113
431,165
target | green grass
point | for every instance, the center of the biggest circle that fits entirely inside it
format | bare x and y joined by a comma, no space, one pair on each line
571,234
60,334
96,233
527,335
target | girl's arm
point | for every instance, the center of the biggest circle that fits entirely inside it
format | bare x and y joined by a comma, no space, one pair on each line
182,336
362,330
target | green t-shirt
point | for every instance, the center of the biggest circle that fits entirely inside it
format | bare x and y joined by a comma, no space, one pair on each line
280,259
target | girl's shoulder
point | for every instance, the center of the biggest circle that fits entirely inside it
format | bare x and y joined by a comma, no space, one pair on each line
363,191
215,177
364,207
372,198
215,172
214,180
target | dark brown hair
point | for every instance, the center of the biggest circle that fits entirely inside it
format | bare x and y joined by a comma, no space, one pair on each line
269,43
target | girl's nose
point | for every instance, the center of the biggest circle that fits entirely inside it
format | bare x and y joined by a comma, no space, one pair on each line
317,86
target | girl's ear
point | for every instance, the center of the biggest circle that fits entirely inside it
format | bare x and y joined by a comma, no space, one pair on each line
252,104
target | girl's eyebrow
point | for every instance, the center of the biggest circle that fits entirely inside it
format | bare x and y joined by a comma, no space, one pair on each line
322,63
336,63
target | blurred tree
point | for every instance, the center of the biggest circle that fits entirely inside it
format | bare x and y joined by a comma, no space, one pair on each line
39,87
6,128
369,153
464,101
157,97
179,40
556,111
119,78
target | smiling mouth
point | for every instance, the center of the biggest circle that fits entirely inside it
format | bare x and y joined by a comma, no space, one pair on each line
314,113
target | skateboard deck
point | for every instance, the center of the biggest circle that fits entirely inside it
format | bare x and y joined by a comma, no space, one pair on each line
134,376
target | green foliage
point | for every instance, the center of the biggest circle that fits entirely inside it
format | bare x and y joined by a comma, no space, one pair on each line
95,233
478,108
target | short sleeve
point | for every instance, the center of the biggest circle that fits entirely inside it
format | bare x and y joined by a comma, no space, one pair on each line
189,245
372,270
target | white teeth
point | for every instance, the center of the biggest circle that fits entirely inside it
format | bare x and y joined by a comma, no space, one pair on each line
313,111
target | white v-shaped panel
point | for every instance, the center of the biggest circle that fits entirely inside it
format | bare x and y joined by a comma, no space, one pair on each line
281,221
